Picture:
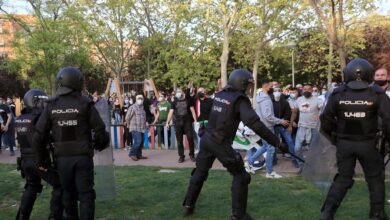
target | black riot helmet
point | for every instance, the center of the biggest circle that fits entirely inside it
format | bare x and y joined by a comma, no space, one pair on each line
240,79
69,79
358,74
35,98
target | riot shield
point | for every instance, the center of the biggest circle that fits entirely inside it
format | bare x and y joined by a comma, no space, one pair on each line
103,160
320,166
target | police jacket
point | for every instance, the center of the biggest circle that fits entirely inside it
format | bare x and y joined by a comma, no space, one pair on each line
24,128
71,118
353,114
229,108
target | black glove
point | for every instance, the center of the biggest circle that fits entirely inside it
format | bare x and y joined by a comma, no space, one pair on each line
102,140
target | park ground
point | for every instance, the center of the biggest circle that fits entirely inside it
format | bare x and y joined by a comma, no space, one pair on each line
144,192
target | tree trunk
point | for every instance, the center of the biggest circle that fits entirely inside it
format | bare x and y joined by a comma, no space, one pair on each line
342,57
330,65
255,70
224,57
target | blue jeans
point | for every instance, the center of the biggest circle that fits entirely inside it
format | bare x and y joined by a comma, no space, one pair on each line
9,136
283,132
118,117
138,142
298,145
270,156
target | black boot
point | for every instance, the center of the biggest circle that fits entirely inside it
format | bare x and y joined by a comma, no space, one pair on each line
328,212
378,213
245,217
188,210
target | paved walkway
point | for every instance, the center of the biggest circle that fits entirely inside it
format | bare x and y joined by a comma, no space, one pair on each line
163,158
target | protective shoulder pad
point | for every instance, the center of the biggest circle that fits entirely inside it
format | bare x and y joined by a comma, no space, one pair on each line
86,99
52,99
377,89
339,89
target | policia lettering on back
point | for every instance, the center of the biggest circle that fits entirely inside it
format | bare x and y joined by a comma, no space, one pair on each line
351,118
72,119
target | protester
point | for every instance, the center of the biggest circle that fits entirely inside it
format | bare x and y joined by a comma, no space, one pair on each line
309,112
117,111
162,111
282,110
127,138
264,109
183,110
136,121
7,127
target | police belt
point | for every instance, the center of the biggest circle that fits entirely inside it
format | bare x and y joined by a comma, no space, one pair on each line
366,137
72,150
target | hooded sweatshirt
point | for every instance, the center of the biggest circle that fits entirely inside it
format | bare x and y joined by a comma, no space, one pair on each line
265,110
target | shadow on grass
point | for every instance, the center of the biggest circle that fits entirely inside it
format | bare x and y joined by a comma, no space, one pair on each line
144,193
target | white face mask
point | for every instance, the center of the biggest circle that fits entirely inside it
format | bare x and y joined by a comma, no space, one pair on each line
315,94
178,95
140,101
160,99
277,95
292,95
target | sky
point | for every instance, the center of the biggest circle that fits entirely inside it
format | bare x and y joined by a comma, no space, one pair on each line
21,7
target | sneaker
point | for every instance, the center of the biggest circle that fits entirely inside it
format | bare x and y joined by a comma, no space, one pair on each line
181,160
258,165
273,175
249,168
192,158
12,153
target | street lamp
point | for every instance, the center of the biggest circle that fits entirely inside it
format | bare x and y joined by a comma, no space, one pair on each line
292,45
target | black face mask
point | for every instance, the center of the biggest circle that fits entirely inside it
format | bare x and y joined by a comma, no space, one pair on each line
200,95
381,82
307,94
271,91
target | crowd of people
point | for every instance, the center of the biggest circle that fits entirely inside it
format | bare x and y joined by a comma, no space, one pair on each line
7,122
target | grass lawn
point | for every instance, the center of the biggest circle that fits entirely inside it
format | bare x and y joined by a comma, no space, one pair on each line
144,193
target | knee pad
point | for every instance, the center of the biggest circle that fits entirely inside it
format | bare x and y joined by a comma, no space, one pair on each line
198,177
344,181
235,165
33,188
87,196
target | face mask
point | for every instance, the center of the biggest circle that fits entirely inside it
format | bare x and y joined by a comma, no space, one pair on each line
9,101
140,101
178,95
277,96
292,95
200,95
323,92
315,94
380,82
307,94
131,101
160,99
126,101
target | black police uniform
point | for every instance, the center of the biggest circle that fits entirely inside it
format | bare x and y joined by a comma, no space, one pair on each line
24,126
71,118
353,114
229,108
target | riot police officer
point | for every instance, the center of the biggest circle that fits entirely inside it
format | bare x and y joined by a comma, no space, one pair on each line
72,119
352,112
27,163
230,106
